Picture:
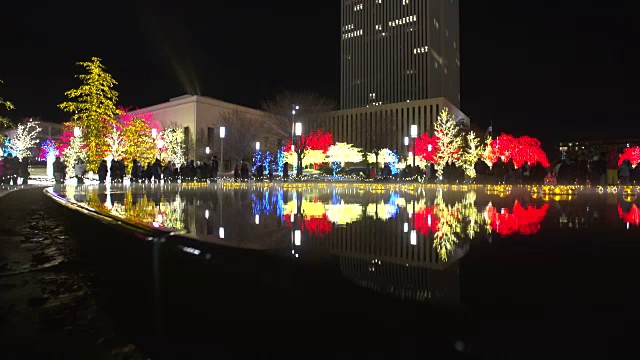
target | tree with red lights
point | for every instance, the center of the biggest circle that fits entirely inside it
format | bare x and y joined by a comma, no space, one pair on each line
632,154
426,147
521,150
315,140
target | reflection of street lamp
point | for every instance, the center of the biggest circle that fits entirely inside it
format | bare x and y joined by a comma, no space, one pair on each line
414,135
222,134
298,134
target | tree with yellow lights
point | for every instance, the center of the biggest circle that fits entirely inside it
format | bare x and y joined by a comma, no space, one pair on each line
138,142
95,109
449,141
473,151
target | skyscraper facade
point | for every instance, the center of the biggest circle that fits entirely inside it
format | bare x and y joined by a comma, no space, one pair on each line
399,50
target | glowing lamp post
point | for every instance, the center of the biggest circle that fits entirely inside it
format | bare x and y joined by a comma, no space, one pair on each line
298,135
207,150
223,132
257,145
76,131
414,135
293,118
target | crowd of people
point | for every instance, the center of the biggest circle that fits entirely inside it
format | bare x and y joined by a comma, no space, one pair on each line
581,169
14,171
602,169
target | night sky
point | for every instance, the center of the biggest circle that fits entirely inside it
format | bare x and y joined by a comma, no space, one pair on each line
555,71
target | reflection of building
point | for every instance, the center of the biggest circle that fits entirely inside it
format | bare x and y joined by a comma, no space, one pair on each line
406,282
199,116
389,245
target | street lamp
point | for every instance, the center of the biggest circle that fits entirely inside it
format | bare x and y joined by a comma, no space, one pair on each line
257,145
76,131
414,135
298,135
223,132
293,118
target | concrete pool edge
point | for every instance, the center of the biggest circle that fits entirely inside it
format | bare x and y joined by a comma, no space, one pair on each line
110,219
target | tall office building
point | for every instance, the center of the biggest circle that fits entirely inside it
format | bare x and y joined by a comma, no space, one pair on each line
399,50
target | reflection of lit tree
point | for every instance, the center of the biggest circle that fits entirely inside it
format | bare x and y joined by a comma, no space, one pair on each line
173,213
632,216
524,221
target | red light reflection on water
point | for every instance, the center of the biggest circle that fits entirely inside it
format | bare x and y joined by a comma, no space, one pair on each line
632,216
314,226
426,220
523,221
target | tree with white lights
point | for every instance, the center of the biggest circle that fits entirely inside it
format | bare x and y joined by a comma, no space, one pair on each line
473,151
116,144
174,148
25,138
73,152
384,156
449,141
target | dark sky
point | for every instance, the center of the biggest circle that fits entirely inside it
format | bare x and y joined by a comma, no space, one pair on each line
551,69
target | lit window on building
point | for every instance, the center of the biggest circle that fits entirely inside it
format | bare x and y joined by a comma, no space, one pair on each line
435,22
421,50
405,20
378,27
378,1
357,7
352,34
455,45
348,27
405,2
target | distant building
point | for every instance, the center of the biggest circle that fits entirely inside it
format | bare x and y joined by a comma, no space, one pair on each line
592,147
398,50
353,125
200,118
399,66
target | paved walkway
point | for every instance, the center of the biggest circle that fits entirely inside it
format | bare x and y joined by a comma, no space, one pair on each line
46,308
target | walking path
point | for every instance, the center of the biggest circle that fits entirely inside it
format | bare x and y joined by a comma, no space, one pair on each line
46,307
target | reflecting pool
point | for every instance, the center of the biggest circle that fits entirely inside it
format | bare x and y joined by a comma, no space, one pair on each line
403,240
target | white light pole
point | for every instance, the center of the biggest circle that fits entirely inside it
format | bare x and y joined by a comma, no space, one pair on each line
298,133
222,134
414,135
293,119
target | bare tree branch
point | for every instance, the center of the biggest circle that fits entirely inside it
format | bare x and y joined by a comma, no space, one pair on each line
242,132
312,107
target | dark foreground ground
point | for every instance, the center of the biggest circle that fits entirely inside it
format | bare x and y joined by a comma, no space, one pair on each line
47,306
71,287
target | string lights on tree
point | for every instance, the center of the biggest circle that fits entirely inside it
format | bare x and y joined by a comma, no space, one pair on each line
25,139
449,141
94,109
